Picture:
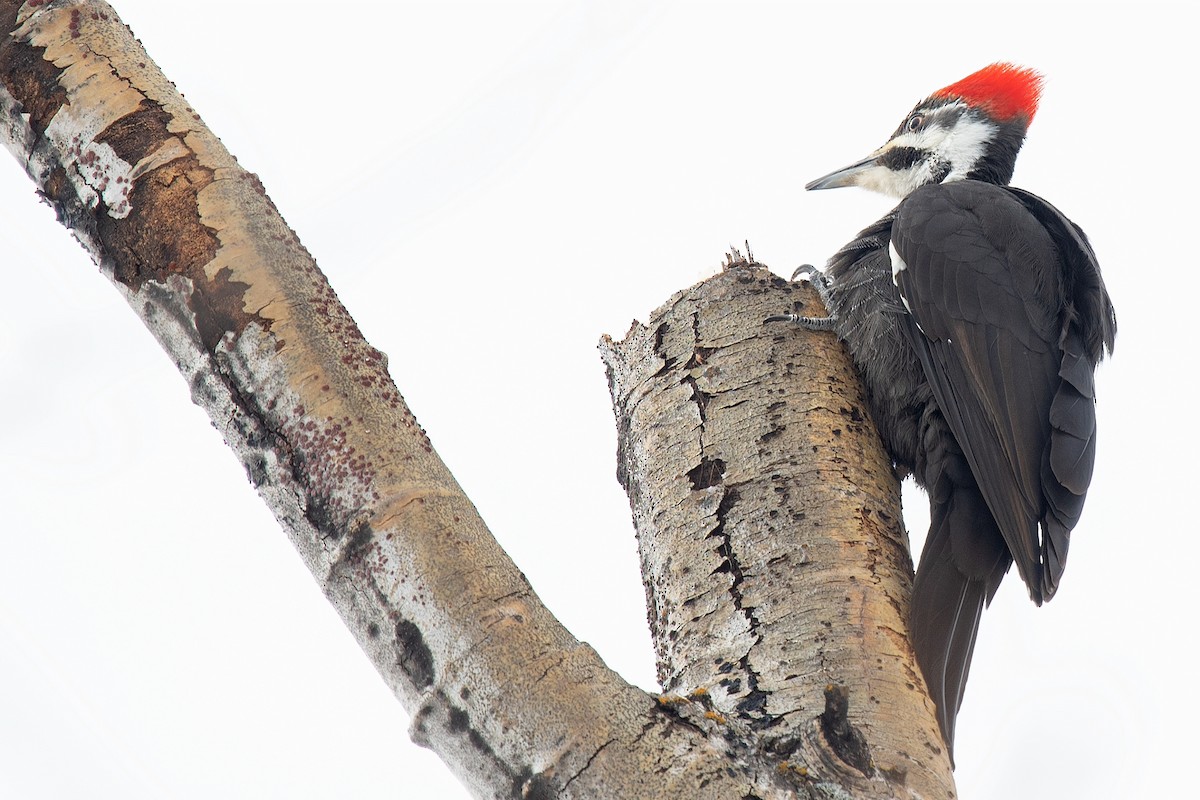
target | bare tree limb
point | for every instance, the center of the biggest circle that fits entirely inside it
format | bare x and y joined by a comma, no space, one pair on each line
201,254
795,705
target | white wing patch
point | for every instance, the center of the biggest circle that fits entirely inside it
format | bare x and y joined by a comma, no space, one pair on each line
899,266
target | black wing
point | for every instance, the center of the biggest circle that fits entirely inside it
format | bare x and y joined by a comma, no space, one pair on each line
1088,330
984,281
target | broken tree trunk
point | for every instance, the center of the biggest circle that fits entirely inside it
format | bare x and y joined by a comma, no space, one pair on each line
776,566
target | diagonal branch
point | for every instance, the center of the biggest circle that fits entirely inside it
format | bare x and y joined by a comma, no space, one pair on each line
494,683
196,247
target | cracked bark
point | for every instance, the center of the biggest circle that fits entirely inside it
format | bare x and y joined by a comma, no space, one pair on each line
515,705
775,562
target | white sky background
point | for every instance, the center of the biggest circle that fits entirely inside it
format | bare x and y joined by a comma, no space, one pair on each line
490,187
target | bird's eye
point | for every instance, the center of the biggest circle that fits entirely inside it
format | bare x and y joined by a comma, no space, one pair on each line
915,123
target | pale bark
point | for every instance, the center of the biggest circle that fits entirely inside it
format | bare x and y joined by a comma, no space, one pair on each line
514,704
768,520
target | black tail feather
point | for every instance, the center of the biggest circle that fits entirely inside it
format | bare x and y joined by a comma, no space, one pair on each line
962,563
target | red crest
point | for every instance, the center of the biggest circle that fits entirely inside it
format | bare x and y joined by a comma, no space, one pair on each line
1003,91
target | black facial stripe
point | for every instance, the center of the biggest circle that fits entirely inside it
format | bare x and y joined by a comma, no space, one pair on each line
901,158
948,117
935,112
940,170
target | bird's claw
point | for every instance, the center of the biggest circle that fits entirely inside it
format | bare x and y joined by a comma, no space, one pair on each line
811,323
821,283
807,271
817,279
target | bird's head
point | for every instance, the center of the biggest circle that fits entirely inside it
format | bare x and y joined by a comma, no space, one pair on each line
970,129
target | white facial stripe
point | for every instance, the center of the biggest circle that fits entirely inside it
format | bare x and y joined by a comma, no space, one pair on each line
938,121
965,145
898,183
920,140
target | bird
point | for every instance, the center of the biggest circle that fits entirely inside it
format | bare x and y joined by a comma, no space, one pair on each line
976,315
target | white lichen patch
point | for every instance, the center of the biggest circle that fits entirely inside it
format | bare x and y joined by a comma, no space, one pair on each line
16,132
94,168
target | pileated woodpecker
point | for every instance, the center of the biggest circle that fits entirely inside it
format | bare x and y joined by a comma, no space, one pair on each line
976,315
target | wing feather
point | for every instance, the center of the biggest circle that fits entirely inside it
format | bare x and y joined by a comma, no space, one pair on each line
983,284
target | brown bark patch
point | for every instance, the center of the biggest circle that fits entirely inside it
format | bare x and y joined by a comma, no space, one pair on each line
844,738
134,135
164,200
27,75
217,305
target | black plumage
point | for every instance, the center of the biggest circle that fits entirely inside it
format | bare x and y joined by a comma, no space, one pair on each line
976,315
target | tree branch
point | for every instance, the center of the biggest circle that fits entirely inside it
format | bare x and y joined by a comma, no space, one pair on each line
514,703
495,684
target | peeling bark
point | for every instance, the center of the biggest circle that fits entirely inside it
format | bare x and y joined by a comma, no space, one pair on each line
191,240
772,571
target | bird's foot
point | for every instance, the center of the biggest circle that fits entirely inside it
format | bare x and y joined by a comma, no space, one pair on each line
811,323
824,287
819,280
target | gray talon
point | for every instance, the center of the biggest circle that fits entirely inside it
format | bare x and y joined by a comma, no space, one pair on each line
810,323
824,288
806,271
